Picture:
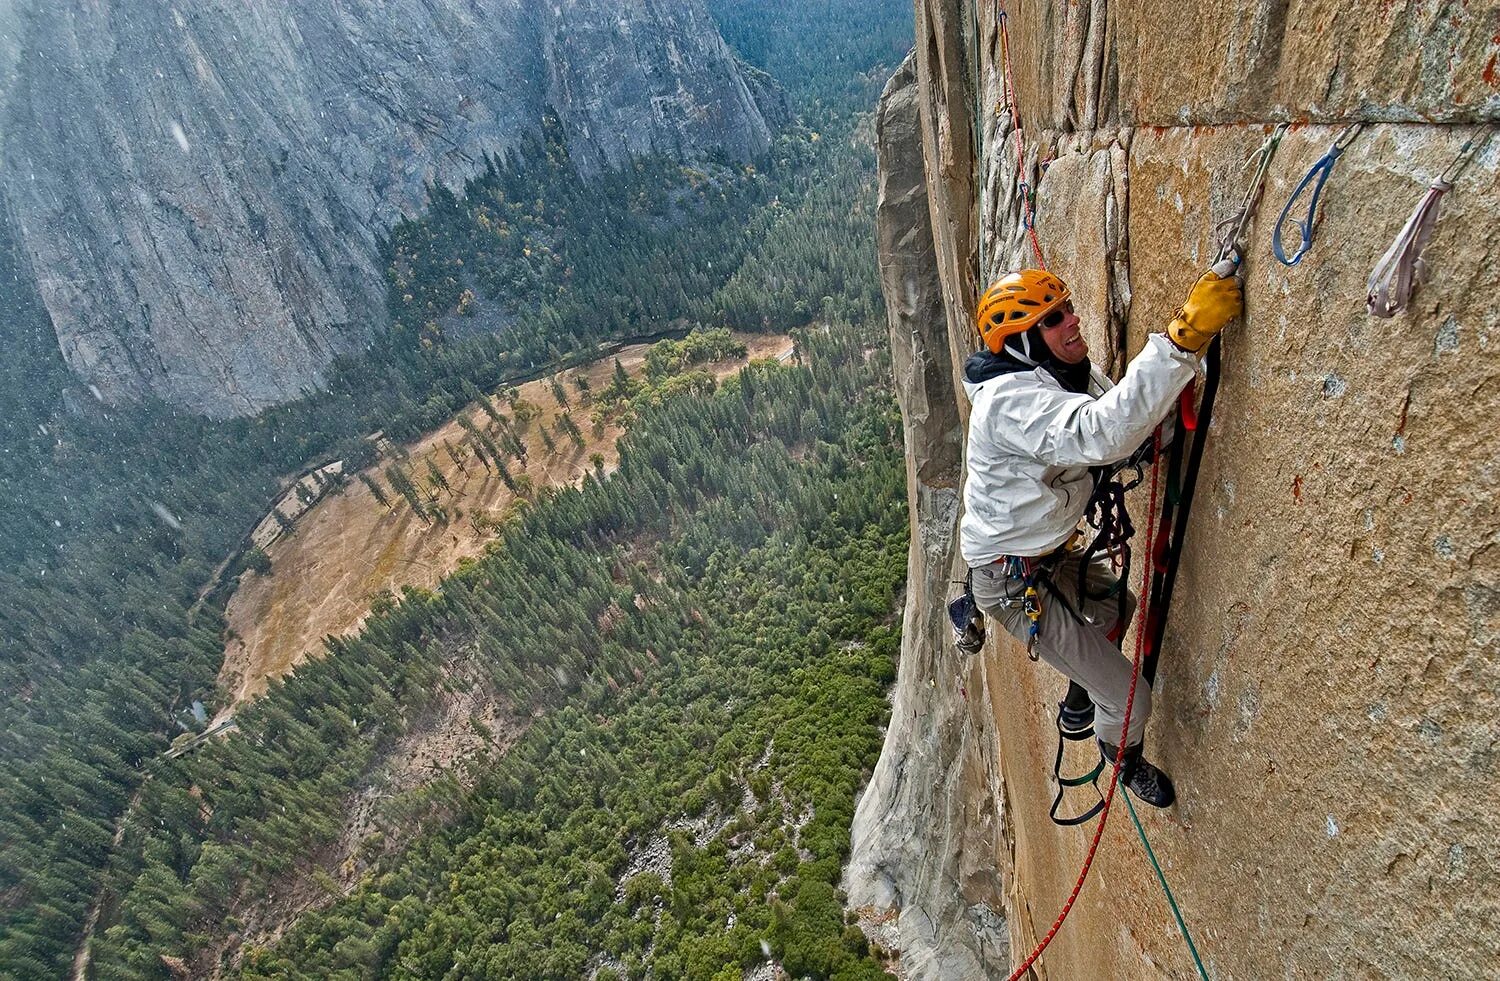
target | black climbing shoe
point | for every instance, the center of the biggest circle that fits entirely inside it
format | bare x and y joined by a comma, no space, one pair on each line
1140,777
1075,713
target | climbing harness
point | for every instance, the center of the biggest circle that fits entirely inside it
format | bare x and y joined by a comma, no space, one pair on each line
1320,172
1396,275
1023,187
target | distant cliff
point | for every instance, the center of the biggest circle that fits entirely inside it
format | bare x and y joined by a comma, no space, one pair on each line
200,187
1328,689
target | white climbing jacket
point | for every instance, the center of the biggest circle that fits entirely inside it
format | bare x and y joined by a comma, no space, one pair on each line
1032,442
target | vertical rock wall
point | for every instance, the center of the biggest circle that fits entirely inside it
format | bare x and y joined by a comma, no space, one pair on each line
200,187
1327,697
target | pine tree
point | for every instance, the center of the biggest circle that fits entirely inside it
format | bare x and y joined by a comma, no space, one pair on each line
375,490
404,486
566,424
435,476
473,394
456,457
505,475
479,453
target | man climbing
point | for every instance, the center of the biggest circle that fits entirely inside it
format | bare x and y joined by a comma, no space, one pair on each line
1043,422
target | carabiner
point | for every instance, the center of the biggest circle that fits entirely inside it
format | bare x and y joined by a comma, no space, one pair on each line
1348,136
1466,153
1320,170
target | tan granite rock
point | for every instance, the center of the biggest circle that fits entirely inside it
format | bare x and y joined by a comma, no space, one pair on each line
927,825
1327,698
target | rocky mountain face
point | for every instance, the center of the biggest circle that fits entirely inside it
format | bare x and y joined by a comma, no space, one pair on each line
1327,692
200,186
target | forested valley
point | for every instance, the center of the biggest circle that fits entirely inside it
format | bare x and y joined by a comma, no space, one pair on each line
698,643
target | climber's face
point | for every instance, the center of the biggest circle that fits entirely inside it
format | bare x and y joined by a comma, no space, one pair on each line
1060,331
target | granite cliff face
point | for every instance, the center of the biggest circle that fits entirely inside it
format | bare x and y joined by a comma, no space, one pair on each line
1327,694
200,186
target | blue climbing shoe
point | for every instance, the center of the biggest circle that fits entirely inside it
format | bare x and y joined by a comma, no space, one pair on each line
1141,778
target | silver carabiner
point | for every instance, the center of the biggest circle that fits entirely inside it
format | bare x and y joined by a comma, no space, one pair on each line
1347,136
1466,153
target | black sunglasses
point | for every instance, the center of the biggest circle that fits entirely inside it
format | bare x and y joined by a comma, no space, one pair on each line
1057,316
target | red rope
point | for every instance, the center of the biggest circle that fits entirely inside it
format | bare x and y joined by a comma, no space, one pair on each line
1114,776
1010,106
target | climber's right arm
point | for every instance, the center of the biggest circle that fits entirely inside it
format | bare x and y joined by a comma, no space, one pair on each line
1061,428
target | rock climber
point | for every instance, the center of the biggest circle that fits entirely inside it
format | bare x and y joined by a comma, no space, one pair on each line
1043,422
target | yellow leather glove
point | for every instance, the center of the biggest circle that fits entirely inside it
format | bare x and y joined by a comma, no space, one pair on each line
1214,302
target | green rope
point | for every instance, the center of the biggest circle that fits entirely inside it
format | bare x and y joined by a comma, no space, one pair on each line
1171,900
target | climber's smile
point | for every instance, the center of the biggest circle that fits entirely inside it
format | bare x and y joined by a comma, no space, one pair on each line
1060,331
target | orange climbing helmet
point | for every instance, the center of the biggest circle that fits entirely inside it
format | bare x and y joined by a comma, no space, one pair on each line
1015,301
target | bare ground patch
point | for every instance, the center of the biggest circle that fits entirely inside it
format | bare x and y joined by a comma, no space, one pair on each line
348,548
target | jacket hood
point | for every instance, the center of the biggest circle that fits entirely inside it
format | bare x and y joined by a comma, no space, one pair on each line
1016,355
984,364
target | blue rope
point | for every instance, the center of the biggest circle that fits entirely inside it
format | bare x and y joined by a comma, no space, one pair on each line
1171,900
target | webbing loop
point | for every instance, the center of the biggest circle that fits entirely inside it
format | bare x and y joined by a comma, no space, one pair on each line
1396,275
1090,778
1320,171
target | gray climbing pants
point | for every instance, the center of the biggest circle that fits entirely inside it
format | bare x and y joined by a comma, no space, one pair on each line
1078,648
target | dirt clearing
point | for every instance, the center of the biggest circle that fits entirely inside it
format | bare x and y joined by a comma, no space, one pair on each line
348,548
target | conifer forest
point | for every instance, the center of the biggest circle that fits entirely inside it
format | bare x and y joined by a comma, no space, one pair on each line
676,666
